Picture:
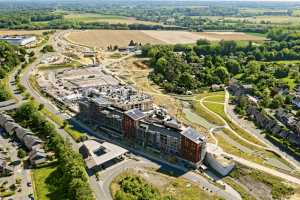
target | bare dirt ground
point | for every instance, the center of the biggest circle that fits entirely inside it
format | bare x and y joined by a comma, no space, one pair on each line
103,38
174,37
217,36
21,32
135,72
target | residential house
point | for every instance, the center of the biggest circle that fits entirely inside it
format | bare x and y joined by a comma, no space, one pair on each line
296,101
5,170
4,119
31,141
37,156
10,127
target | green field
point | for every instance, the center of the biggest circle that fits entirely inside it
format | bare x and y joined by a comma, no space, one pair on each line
41,184
219,109
112,19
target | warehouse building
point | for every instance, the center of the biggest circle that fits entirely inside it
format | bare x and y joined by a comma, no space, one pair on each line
18,40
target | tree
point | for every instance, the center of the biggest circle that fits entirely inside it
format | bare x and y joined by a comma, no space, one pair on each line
47,48
41,106
21,153
132,43
202,42
233,66
222,73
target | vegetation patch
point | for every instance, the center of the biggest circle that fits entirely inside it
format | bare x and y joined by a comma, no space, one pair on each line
150,185
43,187
265,185
71,178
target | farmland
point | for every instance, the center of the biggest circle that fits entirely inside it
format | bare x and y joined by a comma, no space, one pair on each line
261,19
111,19
21,32
103,38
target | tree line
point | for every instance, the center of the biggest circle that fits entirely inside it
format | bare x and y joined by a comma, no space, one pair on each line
71,179
10,57
180,68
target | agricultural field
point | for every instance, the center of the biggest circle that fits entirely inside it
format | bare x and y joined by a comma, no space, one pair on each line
111,19
104,38
259,19
21,32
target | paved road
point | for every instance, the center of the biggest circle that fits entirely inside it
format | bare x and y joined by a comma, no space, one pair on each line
108,175
270,146
249,163
264,169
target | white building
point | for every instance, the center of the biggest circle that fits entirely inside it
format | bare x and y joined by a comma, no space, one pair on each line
217,161
18,40
97,154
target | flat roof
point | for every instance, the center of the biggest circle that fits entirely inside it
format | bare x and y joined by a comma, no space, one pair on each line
108,152
17,37
135,114
193,135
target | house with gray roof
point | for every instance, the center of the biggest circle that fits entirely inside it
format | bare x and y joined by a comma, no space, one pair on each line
4,119
5,170
30,141
37,156
296,101
10,127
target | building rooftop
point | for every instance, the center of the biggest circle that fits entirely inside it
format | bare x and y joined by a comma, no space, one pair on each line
99,153
193,135
135,114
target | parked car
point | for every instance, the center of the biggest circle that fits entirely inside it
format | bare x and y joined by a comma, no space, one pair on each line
31,196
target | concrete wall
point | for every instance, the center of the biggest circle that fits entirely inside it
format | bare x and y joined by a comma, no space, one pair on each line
217,166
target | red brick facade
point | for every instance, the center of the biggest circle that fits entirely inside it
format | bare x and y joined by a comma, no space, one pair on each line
190,150
129,127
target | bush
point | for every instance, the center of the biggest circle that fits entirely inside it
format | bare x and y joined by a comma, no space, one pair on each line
21,153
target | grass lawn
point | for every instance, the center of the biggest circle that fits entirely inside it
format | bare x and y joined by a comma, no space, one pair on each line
216,98
201,111
95,17
206,94
257,34
42,189
75,134
219,109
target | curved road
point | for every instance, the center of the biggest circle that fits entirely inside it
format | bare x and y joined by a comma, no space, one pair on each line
101,190
229,193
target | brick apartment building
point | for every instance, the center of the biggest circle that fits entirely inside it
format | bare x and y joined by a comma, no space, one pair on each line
153,129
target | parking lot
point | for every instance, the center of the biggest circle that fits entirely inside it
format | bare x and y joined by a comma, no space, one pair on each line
19,183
